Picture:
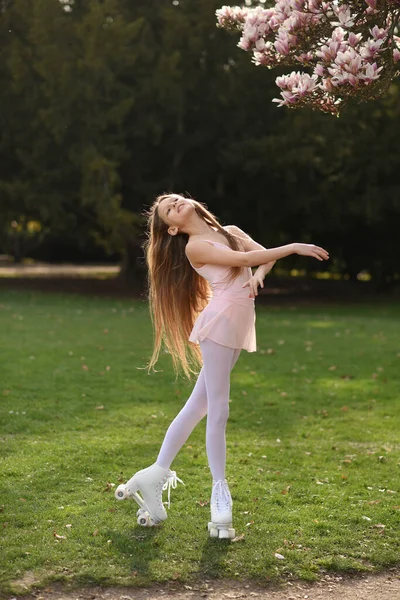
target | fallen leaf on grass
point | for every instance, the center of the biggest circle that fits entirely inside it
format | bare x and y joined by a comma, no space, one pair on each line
85,367
100,407
374,502
203,502
109,487
279,556
251,523
95,532
59,537
286,490
239,538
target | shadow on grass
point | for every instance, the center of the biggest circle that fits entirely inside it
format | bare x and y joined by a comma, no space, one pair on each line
140,545
213,557
143,548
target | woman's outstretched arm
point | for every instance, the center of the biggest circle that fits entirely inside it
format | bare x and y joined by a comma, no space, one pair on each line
204,252
250,244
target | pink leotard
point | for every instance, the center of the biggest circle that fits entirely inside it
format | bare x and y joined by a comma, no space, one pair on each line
229,318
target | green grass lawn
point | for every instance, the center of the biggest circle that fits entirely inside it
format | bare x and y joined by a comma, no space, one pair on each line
313,446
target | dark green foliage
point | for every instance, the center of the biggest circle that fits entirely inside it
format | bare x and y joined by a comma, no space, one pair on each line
109,104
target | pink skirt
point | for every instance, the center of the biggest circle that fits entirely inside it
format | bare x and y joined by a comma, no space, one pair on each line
227,320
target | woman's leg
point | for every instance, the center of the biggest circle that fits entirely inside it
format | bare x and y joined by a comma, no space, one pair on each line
217,363
187,419
184,423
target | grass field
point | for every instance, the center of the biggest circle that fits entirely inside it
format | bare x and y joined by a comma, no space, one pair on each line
313,446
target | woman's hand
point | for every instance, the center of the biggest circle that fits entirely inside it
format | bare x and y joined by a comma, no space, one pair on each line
253,284
311,250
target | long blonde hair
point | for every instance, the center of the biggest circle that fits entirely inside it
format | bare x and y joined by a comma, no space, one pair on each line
175,291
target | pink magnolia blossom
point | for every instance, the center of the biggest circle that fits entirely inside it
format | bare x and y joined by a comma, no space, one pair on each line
305,58
347,47
379,33
344,15
371,48
319,70
371,72
354,39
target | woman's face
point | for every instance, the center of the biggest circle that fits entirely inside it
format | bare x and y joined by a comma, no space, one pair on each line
175,210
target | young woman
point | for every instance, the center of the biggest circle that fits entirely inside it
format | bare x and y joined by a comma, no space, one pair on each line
198,272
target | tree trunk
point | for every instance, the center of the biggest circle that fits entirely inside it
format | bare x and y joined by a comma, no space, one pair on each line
133,268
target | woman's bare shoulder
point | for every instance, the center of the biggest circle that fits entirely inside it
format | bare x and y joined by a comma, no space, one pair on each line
236,231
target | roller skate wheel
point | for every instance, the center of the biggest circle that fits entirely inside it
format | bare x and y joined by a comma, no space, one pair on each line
226,534
213,532
140,512
121,493
144,520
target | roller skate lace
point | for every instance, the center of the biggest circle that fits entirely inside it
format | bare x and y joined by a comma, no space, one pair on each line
171,482
221,496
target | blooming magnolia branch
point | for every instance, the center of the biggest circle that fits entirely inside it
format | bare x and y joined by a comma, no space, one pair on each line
351,47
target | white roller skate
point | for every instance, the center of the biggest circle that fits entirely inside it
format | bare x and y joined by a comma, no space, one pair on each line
220,525
150,482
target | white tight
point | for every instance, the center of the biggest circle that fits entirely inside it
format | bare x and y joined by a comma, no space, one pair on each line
210,396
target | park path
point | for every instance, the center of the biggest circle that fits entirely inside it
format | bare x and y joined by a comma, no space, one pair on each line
384,586
55,270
